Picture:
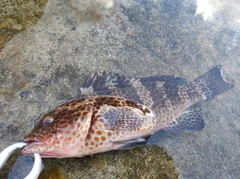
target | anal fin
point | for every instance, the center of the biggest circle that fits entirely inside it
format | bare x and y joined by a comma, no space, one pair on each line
191,119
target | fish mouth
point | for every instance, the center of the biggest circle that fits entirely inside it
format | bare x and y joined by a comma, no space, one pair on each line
36,146
29,141
31,147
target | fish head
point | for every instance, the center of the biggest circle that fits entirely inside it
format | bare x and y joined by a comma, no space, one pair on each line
61,132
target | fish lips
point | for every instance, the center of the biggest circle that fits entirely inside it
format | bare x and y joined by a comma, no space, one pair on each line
33,146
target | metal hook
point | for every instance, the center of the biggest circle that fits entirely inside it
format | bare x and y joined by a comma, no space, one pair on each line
37,166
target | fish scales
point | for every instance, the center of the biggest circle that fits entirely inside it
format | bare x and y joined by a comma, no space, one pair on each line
116,112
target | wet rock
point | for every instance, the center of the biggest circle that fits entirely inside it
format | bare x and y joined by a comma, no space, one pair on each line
237,108
145,162
24,94
134,38
17,16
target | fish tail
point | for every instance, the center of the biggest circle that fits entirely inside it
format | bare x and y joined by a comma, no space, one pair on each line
212,83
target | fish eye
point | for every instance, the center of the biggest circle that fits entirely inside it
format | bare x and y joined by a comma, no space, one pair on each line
48,120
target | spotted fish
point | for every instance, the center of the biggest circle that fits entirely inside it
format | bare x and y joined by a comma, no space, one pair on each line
116,112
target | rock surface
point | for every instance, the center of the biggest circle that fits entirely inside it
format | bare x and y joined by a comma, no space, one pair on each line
46,65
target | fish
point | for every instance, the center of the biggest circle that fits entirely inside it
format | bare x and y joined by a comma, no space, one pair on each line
115,112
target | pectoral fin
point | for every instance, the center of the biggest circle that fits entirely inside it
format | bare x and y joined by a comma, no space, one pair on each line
123,118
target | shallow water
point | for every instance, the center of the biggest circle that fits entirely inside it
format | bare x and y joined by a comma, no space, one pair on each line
46,65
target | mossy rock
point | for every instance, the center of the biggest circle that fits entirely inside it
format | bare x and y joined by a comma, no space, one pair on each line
17,16
146,162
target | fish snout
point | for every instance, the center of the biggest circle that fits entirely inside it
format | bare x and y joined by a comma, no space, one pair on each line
32,147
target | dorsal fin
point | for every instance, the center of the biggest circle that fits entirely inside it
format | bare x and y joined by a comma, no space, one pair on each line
191,119
168,80
105,82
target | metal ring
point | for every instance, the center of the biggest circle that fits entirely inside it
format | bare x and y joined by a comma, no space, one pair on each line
37,166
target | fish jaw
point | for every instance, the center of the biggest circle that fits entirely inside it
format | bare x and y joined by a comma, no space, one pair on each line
46,145
46,150
51,146
34,147
38,144
51,150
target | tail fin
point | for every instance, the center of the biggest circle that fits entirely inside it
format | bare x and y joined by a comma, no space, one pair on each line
214,82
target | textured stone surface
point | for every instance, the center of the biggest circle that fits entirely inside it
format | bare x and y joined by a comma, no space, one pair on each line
46,65
145,162
17,16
